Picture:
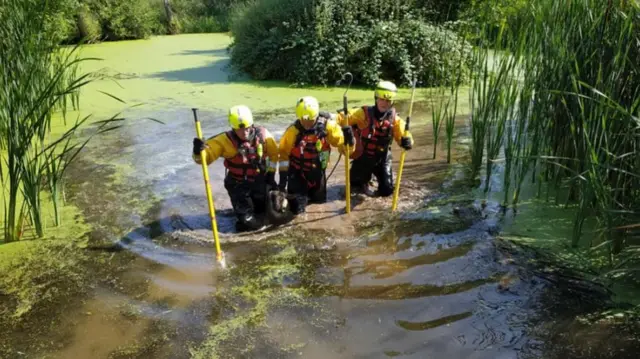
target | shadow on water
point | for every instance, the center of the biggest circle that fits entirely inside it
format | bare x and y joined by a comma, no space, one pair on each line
218,71
215,72
221,52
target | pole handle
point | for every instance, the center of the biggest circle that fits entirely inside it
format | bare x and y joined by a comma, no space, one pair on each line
195,114
344,105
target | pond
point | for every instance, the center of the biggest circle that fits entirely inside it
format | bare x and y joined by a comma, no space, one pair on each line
429,281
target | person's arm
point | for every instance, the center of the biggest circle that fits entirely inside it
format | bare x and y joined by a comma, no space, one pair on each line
357,117
336,136
272,151
403,138
287,141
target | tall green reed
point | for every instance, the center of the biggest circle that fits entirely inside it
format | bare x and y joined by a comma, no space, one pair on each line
577,124
454,90
478,98
438,113
450,114
439,99
39,83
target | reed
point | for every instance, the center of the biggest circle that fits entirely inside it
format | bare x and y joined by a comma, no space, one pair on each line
39,82
574,111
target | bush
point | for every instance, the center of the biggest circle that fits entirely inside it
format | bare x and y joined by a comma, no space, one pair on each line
487,17
201,25
59,19
88,25
124,19
444,10
306,41
72,20
199,16
222,10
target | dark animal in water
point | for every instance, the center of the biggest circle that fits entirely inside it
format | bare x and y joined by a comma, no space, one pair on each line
278,208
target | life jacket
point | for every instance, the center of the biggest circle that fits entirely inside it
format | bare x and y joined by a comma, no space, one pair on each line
250,161
376,138
311,150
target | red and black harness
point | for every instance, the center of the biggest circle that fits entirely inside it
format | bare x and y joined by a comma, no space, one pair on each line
306,153
250,161
377,137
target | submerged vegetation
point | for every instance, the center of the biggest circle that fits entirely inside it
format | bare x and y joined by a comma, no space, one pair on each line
562,100
280,279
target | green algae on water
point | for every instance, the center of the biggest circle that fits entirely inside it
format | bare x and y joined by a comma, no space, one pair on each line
192,71
260,286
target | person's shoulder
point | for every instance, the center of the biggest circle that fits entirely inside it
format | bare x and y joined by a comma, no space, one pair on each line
221,136
332,123
292,128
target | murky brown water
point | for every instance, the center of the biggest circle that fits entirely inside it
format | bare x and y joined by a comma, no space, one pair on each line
423,283
371,284
379,294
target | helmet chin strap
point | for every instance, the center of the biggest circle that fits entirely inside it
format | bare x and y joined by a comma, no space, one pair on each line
382,115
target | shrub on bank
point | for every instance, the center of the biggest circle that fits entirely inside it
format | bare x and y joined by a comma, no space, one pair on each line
314,42
111,20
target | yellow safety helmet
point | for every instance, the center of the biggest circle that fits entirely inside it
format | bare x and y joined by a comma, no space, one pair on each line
386,90
240,117
307,108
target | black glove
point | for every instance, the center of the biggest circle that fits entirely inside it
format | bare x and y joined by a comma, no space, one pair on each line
284,177
349,138
198,146
271,179
405,142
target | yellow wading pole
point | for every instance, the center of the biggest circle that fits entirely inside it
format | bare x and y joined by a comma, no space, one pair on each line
346,163
347,147
212,211
396,190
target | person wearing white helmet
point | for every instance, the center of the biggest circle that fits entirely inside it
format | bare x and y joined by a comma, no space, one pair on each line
251,157
305,148
376,128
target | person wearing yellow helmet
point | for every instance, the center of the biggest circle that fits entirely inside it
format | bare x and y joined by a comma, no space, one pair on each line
305,148
251,157
376,127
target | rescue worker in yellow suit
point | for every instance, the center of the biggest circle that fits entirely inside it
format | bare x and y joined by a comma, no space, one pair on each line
375,129
305,148
251,157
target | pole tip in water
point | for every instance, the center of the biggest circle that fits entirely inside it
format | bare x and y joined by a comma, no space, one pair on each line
222,262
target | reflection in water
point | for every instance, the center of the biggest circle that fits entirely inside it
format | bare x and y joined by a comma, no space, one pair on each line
388,268
408,290
433,323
